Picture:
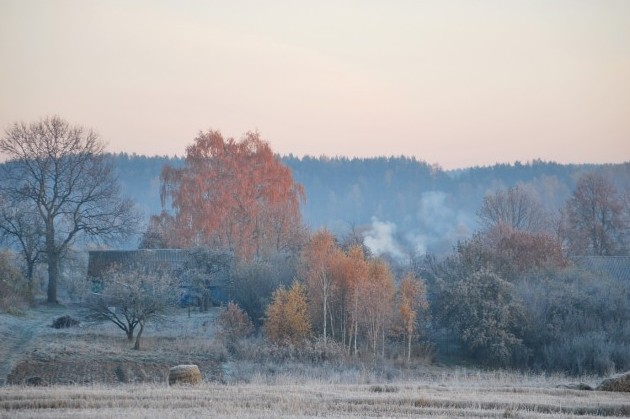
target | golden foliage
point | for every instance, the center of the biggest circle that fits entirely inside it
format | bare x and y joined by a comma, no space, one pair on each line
286,318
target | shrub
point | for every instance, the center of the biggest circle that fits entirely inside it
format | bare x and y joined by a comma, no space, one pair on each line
286,319
580,322
14,289
64,322
486,317
235,323
254,282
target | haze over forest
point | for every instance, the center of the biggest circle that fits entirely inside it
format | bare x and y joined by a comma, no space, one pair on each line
400,205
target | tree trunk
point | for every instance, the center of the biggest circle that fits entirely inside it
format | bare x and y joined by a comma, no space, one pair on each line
53,273
332,325
52,257
409,348
325,304
344,326
137,345
30,268
205,300
356,334
383,342
130,334
356,318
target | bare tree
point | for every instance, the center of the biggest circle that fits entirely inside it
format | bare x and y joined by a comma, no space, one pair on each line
514,207
131,298
593,221
60,173
23,229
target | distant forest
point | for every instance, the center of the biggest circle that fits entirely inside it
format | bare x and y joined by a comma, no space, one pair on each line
401,204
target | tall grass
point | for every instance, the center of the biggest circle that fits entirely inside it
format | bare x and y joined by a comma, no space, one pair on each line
462,394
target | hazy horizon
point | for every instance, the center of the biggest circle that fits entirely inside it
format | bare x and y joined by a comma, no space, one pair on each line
417,158
458,84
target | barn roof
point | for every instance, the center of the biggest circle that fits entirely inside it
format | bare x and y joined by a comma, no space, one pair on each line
102,260
617,267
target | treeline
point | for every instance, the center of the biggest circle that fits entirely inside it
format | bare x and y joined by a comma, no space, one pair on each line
518,302
426,208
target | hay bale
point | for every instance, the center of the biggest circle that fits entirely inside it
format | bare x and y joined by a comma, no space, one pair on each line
619,383
184,374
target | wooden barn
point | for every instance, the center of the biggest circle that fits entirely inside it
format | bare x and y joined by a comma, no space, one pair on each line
196,268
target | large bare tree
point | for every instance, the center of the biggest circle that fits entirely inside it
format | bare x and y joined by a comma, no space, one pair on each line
593,221
514,207
59,173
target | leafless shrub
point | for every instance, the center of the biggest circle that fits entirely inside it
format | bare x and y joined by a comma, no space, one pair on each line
14,290
131,298
235,324
64,322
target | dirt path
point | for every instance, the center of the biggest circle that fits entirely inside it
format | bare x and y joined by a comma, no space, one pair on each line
17,333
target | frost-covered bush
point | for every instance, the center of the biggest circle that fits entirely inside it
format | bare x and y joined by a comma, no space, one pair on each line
235,324
486,317
14,289
579,322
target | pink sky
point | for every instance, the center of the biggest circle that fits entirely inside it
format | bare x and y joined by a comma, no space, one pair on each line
457,83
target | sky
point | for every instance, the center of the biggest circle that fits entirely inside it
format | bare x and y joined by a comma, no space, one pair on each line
456,83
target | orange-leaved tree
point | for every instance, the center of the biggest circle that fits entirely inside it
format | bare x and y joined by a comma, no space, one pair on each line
231,195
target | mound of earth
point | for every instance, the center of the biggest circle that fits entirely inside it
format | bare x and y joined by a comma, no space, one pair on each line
620,383
69,371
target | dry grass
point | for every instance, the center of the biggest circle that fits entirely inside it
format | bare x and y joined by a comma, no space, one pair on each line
251,388
417,399
101,353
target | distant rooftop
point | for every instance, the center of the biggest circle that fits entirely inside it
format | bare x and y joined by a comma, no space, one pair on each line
614,266
102,260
